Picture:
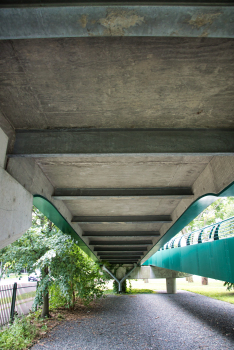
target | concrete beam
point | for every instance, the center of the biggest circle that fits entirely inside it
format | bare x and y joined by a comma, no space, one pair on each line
121,233
84,193
116,20
120,253
121,249
123,218
102,243
47,143
153,272
117,257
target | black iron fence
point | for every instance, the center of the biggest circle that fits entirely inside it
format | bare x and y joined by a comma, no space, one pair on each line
16,299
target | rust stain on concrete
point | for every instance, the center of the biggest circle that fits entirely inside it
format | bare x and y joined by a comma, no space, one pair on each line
117,21
198,21
204,34
175,33
83,21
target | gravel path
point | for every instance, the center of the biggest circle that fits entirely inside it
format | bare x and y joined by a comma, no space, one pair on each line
150,321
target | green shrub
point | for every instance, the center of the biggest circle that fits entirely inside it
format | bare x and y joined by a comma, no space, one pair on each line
18,335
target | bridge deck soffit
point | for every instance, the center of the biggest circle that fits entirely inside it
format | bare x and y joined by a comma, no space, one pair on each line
119,118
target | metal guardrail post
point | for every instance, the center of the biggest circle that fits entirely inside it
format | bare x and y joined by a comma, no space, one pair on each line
200,237
211,232
221,230
188,240
179,244
216,233
12,313
172,243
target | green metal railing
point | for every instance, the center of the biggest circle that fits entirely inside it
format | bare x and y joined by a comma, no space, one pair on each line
219,230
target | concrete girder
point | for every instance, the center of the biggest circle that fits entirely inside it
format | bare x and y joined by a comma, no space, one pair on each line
123,218
118,243
154,272
116,20
84,193
47,143
121,233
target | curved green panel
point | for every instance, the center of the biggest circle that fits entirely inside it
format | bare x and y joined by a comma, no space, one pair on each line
211,259
192,212
49,210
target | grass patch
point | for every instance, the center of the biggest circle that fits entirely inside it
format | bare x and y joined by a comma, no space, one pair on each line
212,292
215,289
142,291
18,335
132,291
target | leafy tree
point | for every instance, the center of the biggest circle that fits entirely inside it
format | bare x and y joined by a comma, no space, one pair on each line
220,210
63,265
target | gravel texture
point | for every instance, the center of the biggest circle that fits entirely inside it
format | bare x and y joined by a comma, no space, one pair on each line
148,321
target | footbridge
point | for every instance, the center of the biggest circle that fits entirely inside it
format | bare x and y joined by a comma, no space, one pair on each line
207,252
116,119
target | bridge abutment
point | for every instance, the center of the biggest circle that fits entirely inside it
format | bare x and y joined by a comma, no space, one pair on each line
16,202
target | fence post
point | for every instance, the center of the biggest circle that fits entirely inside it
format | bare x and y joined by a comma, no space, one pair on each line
12,314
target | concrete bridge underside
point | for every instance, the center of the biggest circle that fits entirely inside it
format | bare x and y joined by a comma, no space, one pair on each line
121,134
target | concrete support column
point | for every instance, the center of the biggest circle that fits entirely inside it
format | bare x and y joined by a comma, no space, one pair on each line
15,202
171,285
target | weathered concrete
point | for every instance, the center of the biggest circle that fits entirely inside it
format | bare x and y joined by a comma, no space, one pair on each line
15,203
57,87
118,83
171,285
115,20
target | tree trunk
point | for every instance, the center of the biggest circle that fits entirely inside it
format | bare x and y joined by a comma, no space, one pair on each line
45,307
204,281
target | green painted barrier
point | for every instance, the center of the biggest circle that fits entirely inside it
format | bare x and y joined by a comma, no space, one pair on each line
212,259
49,210
190,213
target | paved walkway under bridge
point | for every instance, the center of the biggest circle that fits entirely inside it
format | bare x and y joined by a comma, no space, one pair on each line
179,321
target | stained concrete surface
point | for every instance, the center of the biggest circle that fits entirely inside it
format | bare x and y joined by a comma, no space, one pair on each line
153,321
